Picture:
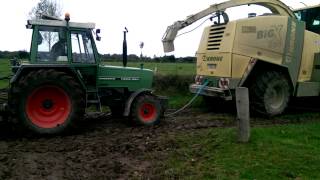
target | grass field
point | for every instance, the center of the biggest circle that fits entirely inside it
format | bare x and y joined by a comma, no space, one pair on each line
274,152
163,68
5,70
159,68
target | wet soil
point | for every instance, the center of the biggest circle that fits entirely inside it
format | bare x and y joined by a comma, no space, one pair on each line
102,147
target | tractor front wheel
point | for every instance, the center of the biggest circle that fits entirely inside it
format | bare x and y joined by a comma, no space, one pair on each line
50,101
146,110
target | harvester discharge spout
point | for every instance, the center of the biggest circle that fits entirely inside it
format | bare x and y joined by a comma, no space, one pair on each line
276,7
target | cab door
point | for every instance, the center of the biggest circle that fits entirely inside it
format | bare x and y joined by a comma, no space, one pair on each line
83,57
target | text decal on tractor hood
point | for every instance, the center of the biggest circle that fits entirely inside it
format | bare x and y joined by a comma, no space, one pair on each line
120,78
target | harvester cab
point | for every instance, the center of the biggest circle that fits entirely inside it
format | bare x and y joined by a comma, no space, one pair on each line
65,75
274,55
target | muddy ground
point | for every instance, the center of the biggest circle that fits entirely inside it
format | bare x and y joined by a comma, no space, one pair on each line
102,147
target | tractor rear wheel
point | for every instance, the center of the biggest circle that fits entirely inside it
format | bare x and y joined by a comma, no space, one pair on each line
146,110
270,93
49,101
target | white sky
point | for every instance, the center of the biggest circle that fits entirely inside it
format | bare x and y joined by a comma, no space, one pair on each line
146,21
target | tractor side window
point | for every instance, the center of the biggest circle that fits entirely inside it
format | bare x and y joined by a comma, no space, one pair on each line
82,51
51,45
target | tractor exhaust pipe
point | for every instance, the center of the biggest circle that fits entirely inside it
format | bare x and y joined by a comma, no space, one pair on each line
124,48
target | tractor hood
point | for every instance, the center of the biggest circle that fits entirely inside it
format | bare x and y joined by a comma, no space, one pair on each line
124,77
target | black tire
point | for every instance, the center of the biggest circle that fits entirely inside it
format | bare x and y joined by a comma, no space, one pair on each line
146,110
49,101
270,93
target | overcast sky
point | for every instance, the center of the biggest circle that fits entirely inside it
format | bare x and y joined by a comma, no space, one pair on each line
146,21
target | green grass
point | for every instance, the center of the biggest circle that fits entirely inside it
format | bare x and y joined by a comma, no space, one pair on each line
5,70
178,99
163,68
279,152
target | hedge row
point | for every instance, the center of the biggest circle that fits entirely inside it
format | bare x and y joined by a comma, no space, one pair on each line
173,82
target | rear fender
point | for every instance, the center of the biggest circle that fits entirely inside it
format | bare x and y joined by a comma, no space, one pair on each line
259,67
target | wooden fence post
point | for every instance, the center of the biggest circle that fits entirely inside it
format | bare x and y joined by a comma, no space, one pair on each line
243,114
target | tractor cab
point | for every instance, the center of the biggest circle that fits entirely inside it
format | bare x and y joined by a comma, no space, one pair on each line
70,46
59,41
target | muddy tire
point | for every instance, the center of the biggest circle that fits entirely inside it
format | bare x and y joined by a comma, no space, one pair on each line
49,101
146,110
270,93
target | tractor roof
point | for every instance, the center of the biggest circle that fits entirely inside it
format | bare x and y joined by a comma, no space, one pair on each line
60,24
47,20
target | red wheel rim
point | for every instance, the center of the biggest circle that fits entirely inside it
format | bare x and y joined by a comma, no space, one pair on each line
48,106
147,112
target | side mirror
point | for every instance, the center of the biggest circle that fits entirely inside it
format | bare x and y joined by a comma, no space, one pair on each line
98,31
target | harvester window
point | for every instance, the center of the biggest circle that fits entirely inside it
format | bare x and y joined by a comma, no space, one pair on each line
52,45
311,17
82,51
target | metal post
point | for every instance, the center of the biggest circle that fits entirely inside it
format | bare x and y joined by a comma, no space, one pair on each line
243,114
124,48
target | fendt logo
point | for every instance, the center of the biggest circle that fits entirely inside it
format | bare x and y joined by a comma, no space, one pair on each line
212,58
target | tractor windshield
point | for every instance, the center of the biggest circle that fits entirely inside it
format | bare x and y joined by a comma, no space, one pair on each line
52,44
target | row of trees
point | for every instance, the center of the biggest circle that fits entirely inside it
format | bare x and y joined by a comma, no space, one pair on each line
12,54
133,58
107,57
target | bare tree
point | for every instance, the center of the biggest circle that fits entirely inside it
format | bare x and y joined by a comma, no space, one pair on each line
47,7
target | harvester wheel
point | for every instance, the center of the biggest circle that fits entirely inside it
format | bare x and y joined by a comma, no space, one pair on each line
270,93
146,110
49,101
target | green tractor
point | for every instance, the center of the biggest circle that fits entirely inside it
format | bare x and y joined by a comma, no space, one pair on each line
64,75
